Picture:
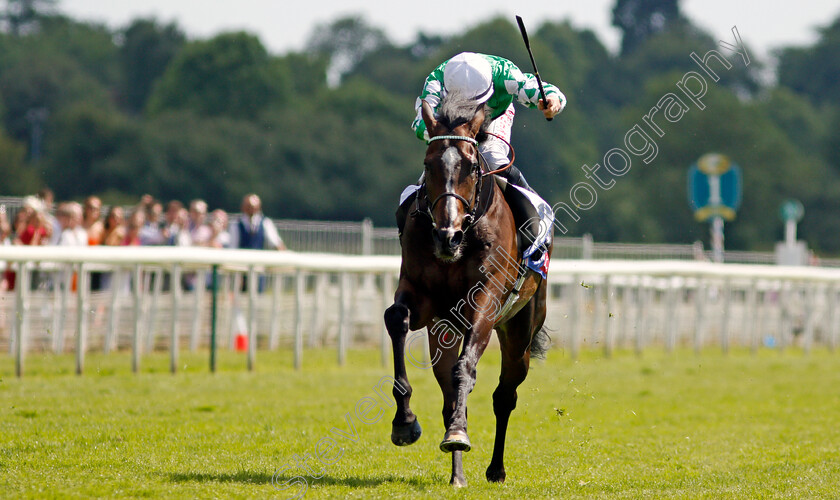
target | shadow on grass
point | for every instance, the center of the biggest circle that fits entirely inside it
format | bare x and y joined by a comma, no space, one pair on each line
244,476
366,482
248,477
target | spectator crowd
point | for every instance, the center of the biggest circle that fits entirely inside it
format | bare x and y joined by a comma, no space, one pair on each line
148,223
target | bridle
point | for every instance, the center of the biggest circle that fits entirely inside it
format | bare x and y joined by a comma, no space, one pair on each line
475,208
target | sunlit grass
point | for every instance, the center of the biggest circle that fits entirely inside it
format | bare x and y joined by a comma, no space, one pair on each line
685,426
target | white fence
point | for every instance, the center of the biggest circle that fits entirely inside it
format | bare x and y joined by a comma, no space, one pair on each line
292,300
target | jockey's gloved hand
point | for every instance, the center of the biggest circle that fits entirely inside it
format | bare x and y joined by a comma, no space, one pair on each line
555,106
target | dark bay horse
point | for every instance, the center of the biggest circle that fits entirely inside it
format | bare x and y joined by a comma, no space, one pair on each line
460,265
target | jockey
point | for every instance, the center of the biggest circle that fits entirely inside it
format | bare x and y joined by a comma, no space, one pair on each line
497,82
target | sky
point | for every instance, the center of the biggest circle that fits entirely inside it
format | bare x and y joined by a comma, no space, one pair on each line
285,25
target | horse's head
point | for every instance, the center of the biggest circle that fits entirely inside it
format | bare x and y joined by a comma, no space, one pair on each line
453,172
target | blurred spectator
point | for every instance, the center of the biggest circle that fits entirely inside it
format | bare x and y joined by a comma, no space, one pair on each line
69,216
155,212
95,227
5,227
200,233
34,228
146,200
220,237
252,229
19,223
114,227
5,239
18,226
170,217
92,220
72,234
151,233
135,224
47,198
180,236
113,235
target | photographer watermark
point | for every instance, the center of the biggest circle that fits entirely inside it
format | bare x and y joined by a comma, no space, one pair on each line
295,475
639,141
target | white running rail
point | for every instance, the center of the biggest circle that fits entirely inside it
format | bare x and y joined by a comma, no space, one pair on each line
323,299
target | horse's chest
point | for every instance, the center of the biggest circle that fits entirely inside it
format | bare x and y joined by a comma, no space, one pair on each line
446,283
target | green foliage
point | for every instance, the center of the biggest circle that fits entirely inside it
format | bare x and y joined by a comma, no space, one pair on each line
33,77
187,156
90,151
338,157
145,52
20,17
768,165
803,124
230,74
813,70
639,20
324,133
497,36
89,45
309,72
396,70
17,178
344,43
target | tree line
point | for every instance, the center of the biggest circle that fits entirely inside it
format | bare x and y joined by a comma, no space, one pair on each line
323,133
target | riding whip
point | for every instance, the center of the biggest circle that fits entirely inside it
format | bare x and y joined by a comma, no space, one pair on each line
534,64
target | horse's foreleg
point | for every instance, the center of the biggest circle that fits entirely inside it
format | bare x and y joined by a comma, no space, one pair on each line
515,339
463,380
513,373
407,311
444,347
404,428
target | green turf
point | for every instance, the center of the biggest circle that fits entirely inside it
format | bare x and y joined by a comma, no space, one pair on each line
660,426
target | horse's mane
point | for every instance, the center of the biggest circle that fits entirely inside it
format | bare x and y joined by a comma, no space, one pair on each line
456,109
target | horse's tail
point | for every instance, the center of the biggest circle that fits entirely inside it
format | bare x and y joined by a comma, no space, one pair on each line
540,343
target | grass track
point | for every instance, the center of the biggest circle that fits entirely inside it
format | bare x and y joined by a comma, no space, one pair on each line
660,426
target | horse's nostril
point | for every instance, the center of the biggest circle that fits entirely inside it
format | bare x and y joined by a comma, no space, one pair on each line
441,235
456,239
449,239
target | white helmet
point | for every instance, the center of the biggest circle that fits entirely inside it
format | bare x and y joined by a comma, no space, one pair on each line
471,74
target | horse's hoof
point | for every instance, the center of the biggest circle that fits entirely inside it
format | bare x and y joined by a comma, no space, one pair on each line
404,435
458,482
495,475
455,441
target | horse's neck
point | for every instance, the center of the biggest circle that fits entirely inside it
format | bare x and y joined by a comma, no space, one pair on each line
497,213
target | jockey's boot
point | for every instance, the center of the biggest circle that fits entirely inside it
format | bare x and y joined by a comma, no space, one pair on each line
515,177
530,228
402,212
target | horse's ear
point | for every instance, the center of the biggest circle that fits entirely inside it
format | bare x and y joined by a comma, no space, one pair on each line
477,119
428,115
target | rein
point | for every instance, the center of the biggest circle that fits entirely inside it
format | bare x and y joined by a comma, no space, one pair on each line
512,155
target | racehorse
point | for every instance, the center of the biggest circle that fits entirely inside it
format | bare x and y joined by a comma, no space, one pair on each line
461,278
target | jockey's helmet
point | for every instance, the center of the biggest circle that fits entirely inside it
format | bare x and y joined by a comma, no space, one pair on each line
471,74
